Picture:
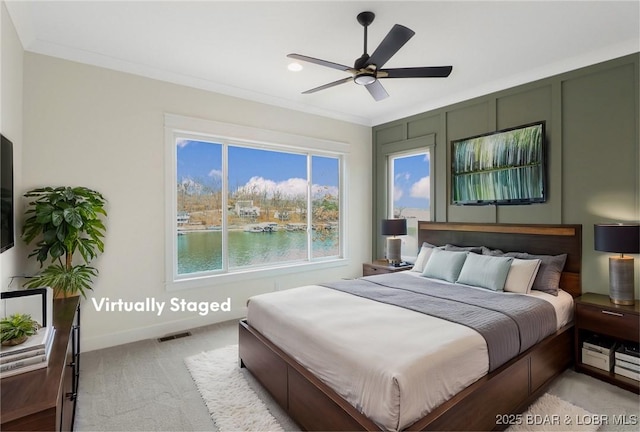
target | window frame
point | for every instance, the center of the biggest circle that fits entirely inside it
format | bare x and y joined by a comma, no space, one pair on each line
391,175
381,185
412,223
177,126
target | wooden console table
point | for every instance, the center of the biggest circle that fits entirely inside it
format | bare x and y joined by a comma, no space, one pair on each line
45,399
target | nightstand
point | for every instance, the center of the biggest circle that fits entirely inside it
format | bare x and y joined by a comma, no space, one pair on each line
382,267
596,315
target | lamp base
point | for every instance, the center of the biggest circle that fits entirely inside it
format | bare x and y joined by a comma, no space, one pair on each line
621,280
394,245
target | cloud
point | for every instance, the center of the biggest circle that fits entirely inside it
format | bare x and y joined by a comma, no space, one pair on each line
181,142
397,193
293,187
403,176
258,184
421,188
215,173
190,186
288,188
319,191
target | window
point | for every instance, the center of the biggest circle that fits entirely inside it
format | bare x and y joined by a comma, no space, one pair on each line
325,214
410,192
404,186
199,206
241,205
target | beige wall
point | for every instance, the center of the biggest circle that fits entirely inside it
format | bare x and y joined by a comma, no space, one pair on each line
102,129
11,127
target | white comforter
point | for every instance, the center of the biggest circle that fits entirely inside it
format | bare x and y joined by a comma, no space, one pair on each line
392,364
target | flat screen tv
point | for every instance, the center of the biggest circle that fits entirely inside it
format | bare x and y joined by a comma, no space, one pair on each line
6,194
500,168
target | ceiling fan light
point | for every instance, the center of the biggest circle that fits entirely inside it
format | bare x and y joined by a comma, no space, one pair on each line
364,79
294,67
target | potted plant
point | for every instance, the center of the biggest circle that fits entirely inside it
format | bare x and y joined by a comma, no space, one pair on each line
16,329
64,221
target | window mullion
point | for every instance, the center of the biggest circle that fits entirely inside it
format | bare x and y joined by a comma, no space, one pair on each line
390,186
174,209
225,200
309,209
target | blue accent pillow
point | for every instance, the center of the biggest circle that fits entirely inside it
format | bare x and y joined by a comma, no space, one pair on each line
485,271
444,265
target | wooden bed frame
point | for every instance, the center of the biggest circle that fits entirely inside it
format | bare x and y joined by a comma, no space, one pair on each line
507,390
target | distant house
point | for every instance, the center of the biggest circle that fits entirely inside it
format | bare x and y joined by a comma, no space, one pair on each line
183,218
246,209
281,215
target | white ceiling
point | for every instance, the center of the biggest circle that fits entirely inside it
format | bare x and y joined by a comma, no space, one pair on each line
239,48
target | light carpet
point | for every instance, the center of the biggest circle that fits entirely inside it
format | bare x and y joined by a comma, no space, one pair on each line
228,392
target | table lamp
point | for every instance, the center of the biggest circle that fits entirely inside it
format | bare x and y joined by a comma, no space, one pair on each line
619,238
394,227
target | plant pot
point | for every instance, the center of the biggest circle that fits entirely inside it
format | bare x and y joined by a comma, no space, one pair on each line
61,294
15,341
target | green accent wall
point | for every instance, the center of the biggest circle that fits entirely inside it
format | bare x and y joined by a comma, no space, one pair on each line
593,153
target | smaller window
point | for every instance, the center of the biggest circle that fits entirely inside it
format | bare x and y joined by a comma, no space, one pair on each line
410,193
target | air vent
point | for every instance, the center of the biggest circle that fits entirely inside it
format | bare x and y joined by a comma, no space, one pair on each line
174,336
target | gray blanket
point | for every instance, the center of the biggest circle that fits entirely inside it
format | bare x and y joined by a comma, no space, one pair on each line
509,323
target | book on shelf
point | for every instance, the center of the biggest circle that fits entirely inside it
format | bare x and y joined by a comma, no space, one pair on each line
35,342
22,355
627,365
635,375
629,353
30,363
28,357
24,362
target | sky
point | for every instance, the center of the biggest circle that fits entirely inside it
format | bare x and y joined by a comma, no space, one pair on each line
201,162
411,181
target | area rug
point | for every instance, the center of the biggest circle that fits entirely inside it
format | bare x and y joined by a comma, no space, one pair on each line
550,413
234,405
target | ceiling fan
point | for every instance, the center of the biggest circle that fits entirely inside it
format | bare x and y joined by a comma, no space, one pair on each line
367,70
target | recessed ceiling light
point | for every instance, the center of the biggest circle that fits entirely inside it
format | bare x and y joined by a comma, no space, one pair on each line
294,67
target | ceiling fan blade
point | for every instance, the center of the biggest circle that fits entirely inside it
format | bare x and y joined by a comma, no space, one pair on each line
392,42
416,72
377,91
326,86
321,62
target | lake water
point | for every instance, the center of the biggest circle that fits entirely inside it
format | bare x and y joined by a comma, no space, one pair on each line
202,251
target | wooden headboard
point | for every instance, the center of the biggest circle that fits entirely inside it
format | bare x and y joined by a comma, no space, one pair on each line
531,238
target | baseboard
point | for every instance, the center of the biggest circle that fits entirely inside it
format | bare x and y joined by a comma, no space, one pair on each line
154,331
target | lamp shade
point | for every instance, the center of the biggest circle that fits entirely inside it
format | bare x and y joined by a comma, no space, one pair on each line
394,227
617,238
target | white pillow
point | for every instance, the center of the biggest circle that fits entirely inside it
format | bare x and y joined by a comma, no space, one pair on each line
521,275
425,253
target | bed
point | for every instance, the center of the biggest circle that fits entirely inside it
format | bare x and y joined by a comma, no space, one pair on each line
320,384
